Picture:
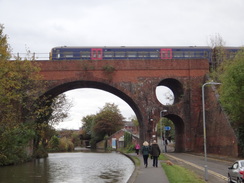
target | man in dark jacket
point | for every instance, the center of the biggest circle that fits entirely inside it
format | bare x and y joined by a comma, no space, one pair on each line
155,152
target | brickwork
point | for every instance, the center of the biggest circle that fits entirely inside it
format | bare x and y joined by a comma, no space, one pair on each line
135,82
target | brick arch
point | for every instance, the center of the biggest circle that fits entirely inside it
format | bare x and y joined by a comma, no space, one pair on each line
175,86
61,88
179,132
135,82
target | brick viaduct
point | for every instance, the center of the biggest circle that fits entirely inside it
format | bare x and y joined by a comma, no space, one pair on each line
135,82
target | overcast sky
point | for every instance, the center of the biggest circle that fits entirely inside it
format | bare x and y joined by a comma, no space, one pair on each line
40,25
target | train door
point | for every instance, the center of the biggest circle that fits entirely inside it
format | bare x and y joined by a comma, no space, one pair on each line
96,53
166,53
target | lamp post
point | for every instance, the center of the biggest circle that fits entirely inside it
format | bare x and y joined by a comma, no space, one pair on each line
204,128
161,115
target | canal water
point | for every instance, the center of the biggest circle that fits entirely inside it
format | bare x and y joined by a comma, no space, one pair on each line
82,167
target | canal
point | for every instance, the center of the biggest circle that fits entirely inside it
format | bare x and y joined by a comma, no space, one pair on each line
82,167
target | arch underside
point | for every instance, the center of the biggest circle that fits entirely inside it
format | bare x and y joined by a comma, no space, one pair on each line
96,85
179,132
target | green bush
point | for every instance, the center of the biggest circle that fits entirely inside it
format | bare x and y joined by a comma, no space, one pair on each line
53,145
41,152
65,145
13,144
76,139
130,148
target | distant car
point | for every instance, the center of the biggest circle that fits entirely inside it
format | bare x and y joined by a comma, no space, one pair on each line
236,172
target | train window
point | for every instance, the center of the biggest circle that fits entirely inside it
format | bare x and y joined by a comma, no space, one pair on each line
131,54
188,54
58,54
142,54
198,54
94,55
119,54
178,54
154,54
68,54
108,54
99,54
85,54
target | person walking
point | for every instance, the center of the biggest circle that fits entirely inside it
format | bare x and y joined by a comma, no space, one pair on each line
145,153
137,148
155,152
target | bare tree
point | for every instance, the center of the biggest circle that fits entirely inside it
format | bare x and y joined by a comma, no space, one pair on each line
218,55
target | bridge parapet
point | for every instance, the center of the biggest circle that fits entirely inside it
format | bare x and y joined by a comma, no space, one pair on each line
123,69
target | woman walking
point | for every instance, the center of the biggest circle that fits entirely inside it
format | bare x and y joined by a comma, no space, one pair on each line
155,152
145,153
137,148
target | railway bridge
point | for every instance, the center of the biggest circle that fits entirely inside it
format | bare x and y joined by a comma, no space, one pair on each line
135,82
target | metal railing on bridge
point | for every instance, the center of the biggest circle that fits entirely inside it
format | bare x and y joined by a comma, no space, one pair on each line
30,56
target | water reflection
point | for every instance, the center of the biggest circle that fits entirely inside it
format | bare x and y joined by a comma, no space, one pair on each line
72,168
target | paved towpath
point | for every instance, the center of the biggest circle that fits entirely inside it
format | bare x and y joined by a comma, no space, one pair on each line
150,174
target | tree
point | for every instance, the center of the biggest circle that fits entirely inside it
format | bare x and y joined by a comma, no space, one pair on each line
54,111
232,94
59,109
108,120
219,53
23,113
75,136
105,123
19,90
87,131
127,139
134,120
5,50
53,143
88,122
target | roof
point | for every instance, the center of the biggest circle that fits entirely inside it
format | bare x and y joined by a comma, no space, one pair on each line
136,136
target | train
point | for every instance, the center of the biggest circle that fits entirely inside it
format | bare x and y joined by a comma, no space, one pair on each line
132,53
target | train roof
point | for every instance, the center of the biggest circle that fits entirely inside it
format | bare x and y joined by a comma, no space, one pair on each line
141,47
132,47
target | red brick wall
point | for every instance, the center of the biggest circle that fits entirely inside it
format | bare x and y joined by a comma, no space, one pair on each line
221,138
135,82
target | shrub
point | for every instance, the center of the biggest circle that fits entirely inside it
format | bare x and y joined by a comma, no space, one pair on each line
65,145
53,144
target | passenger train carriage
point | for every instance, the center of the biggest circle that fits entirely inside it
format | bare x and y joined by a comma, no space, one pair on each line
113,53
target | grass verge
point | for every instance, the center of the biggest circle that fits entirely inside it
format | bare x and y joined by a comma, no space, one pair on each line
136,160
178,174
162,157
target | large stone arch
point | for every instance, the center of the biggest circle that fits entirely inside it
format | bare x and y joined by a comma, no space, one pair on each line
61,88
